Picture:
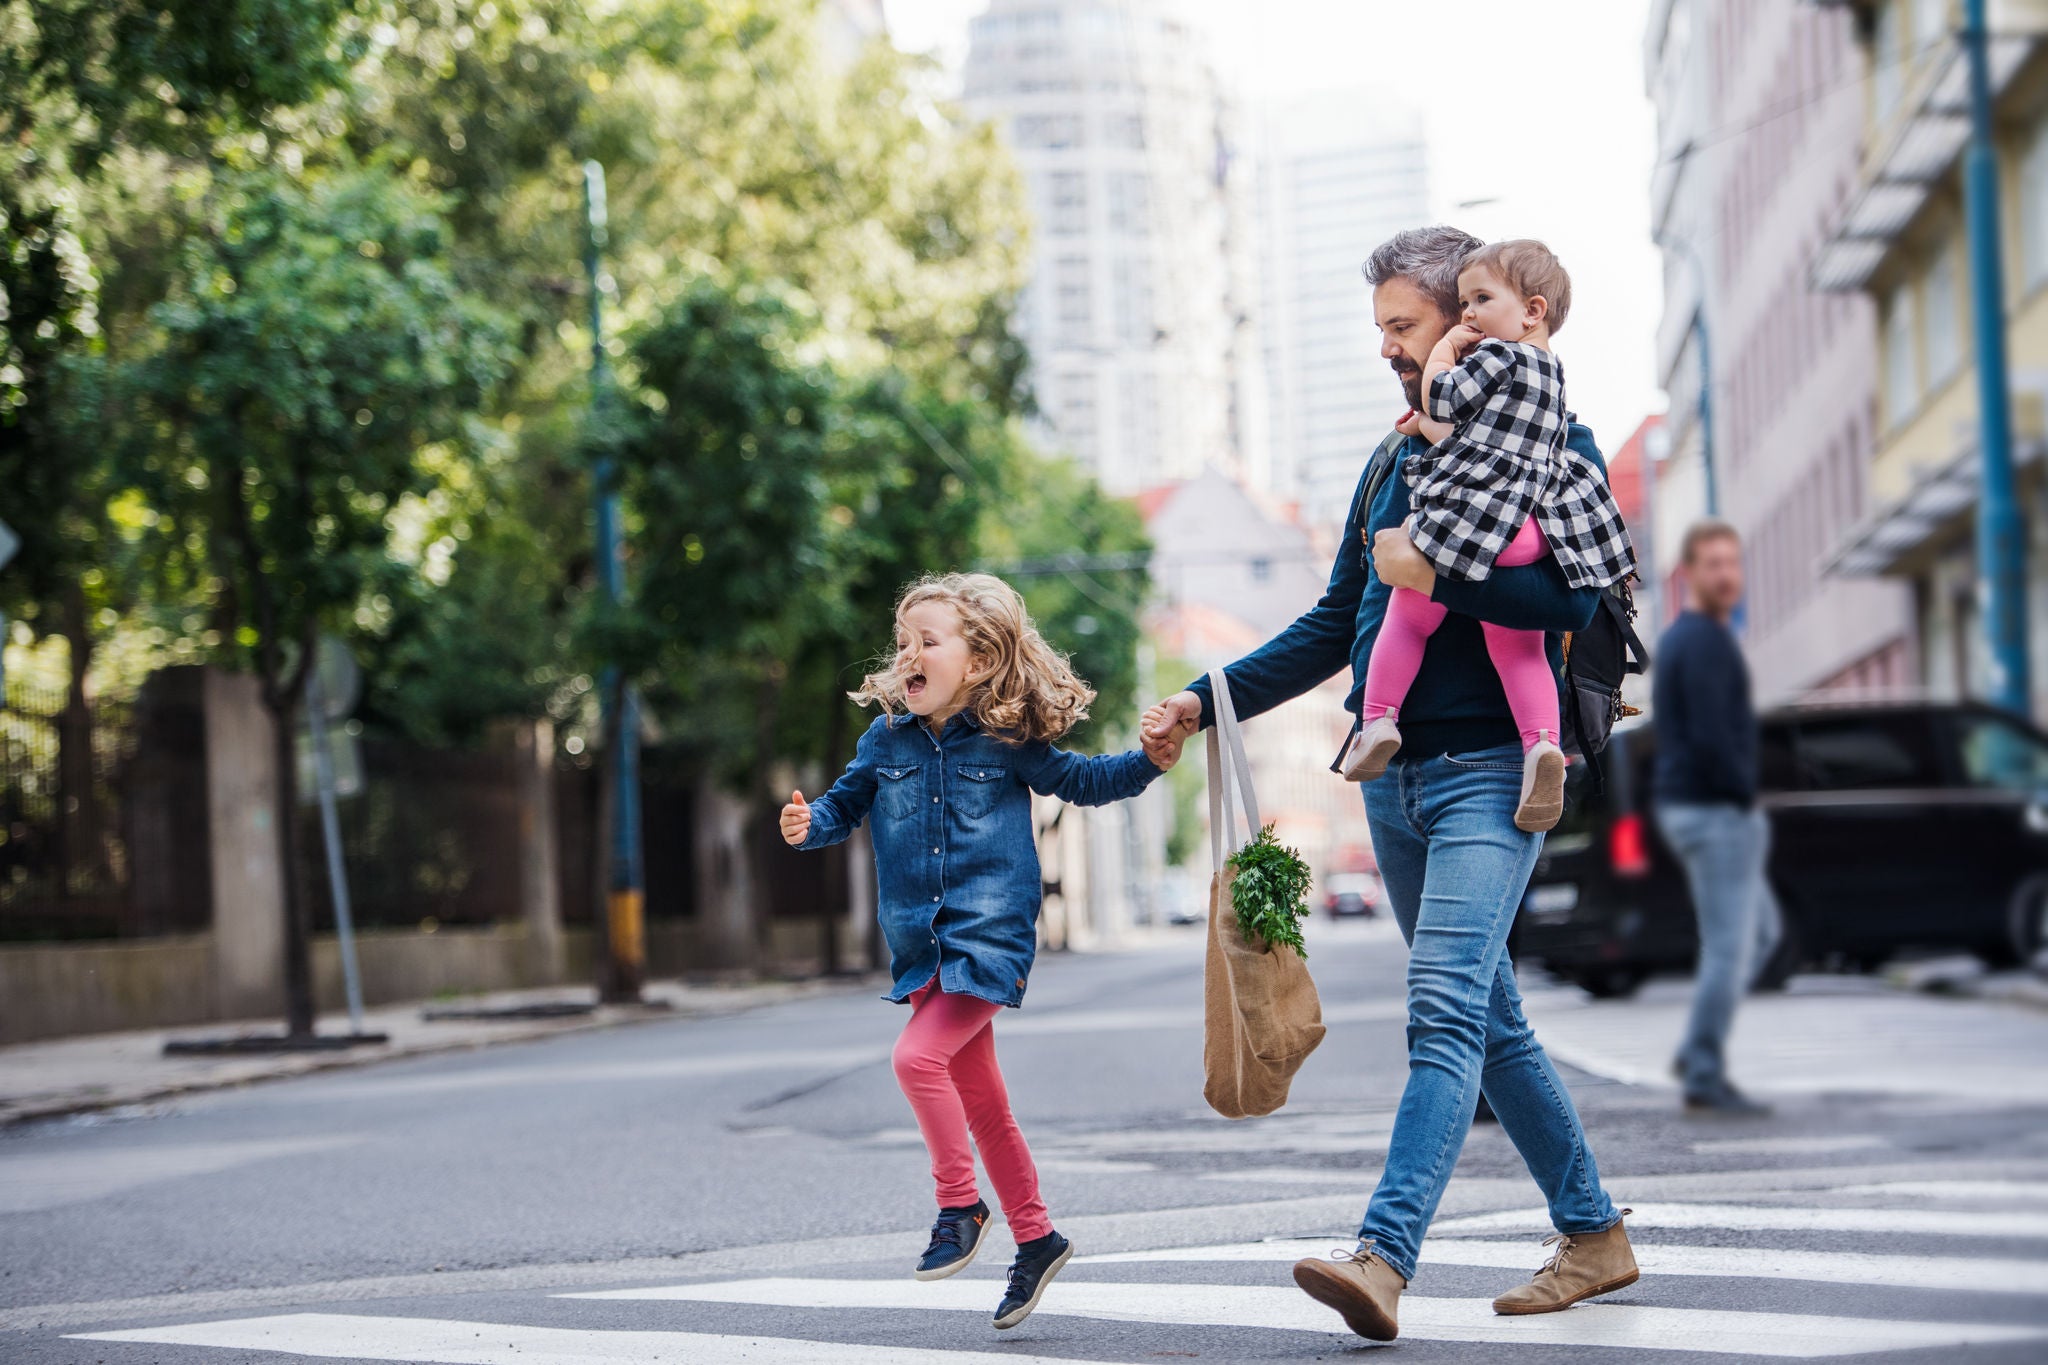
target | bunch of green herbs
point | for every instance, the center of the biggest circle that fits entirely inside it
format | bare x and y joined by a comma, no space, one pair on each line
1270,892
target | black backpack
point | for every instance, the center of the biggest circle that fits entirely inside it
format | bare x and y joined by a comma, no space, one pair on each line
1596,659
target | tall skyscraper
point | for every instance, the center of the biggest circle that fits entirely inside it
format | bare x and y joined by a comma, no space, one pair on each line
1336,176
1139,313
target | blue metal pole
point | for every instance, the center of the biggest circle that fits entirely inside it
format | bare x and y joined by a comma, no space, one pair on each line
625,905
1699,334
2001,533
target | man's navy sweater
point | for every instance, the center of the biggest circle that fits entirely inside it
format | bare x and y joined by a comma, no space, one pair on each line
1706,722
1456,705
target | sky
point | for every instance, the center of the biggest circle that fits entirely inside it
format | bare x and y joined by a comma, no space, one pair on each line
1538,108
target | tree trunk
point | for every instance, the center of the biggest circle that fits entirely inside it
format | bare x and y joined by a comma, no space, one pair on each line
832,913
78,839
298,915
766,713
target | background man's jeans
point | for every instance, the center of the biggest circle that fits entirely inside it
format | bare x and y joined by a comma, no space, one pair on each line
1455,867
1724,848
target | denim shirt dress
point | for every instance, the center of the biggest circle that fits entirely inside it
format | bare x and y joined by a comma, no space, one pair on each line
954,853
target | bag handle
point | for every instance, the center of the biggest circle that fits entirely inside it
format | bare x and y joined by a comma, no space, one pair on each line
1228,763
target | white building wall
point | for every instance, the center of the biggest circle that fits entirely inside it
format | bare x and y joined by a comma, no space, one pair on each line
1138,291
1338,175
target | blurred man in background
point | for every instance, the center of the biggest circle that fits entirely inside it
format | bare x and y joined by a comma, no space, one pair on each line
1705,789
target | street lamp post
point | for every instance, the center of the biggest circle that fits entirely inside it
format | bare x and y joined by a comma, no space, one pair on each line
2001,533
625,908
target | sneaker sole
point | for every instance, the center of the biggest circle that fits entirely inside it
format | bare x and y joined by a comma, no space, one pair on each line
1335,1292
954,1269
1017,1315
1542,804
1373,762
1519,1310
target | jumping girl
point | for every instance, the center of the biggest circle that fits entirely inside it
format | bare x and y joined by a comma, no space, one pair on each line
981,698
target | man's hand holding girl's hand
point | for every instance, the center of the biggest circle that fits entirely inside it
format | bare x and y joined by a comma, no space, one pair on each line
1166,727
796,820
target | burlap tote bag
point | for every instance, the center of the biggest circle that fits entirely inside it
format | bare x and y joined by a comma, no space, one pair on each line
1260,1014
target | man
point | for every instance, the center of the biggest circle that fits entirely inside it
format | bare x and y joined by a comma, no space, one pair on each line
1454,864
1705,794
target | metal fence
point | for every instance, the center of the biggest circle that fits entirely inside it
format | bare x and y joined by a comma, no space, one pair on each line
65,869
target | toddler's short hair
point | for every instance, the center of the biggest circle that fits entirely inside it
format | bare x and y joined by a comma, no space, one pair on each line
1530,269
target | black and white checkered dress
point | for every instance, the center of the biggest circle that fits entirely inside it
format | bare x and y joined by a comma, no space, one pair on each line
1506,460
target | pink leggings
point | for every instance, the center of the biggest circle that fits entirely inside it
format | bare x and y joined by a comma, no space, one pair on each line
946,1063
1518,655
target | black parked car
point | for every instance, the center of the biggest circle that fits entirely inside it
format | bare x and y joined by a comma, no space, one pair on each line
1894,825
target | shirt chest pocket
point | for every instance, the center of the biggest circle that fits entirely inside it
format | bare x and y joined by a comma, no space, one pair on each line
977,788
897,790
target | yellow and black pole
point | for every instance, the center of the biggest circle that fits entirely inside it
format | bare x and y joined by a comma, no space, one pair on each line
625,909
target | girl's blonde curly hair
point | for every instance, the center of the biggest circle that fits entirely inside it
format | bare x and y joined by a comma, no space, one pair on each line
1028,691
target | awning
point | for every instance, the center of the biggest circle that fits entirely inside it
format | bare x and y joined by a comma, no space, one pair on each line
1923,148
1937,508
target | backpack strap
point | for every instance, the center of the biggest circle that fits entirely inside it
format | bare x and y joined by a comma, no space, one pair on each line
1377,470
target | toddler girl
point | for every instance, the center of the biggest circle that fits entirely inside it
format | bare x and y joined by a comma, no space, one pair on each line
982,697
1497,486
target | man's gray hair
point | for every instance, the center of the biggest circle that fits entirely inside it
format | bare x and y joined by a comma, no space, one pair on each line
1429,258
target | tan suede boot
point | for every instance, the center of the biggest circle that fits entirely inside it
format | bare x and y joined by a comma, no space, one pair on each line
1359,1285
1584,1264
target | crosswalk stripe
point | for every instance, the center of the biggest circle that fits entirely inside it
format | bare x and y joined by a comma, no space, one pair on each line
1788,1218
348,1337
2009,1191
1613,1325
1978,1274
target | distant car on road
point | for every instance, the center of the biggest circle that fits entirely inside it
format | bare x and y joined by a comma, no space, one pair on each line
1352,893
1895,825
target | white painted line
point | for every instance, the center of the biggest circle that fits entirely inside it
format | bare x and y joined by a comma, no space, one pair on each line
1303,1175
1106,1022
1900,1223
33,1181
2005,1191
1617,1325
347,1337
1963,1274
603,1073
1789,1146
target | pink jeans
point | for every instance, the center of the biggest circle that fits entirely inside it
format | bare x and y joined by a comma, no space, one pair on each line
946,1063
1517,655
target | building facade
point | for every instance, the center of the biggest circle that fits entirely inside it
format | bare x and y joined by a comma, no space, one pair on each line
1336,177
1759,125
1139,312
1899,243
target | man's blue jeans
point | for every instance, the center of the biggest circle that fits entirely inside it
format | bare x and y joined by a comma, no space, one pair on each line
1723,847
1455,867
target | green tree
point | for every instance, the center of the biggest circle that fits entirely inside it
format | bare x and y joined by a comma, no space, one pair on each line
314,345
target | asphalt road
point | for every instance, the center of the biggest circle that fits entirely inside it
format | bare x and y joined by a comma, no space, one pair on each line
750,1189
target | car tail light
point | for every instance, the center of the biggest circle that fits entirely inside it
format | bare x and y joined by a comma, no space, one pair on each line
1628,847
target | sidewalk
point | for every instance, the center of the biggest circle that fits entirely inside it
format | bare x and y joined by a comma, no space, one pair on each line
1965,976
108,1070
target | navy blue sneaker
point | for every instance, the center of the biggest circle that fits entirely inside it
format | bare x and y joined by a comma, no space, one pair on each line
955,1238
1037,1262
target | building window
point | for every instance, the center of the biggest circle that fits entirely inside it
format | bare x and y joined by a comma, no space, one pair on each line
1930,25
2033,193
1131,281
1073,309
1130,203
1944,320
1067,204
1124,130
1901,373
1047,130
1888,59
